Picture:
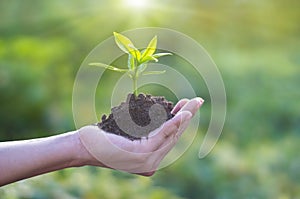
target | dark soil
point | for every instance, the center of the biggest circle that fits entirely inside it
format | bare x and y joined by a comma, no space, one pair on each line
137,117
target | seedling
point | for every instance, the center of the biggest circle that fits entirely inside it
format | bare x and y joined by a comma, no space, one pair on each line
131,119
137,61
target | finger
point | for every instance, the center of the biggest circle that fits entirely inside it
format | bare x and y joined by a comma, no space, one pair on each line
193,105
172,140
169,144
158,155
179,105
168,129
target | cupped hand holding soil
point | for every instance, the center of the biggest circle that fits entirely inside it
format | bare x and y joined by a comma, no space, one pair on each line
137,116
140,156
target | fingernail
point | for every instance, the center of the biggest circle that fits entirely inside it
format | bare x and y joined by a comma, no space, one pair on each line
200,101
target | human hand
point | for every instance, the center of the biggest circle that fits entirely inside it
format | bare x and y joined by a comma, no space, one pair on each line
139,156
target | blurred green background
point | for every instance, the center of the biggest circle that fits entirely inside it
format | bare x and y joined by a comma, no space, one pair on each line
255,45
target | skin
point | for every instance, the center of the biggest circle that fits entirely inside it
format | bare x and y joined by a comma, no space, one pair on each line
27,158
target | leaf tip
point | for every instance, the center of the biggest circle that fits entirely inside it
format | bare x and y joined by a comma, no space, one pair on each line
154,58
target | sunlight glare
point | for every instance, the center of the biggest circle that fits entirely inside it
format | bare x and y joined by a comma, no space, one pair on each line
136,3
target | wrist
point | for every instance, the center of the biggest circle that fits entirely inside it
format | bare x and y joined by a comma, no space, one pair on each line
81,156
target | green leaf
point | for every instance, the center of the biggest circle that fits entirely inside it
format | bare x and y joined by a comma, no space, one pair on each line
135,52
113,68
153,57
154,72
126,45
150,48
123,42
158,55
148,58
131,62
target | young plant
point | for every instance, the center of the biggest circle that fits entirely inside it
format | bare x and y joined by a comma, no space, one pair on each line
137,61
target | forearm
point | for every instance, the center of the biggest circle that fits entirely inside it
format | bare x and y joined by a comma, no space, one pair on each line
24,159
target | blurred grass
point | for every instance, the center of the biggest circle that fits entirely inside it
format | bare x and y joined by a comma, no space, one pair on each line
255,45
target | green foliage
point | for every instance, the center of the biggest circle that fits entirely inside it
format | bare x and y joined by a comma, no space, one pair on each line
86,183
137,61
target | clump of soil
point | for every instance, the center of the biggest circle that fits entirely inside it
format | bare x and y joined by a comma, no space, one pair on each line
137,117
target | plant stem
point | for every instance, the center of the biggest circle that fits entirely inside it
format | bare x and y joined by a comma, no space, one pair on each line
134,78
135,91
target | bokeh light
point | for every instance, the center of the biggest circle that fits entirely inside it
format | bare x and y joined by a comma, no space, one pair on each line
137,3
